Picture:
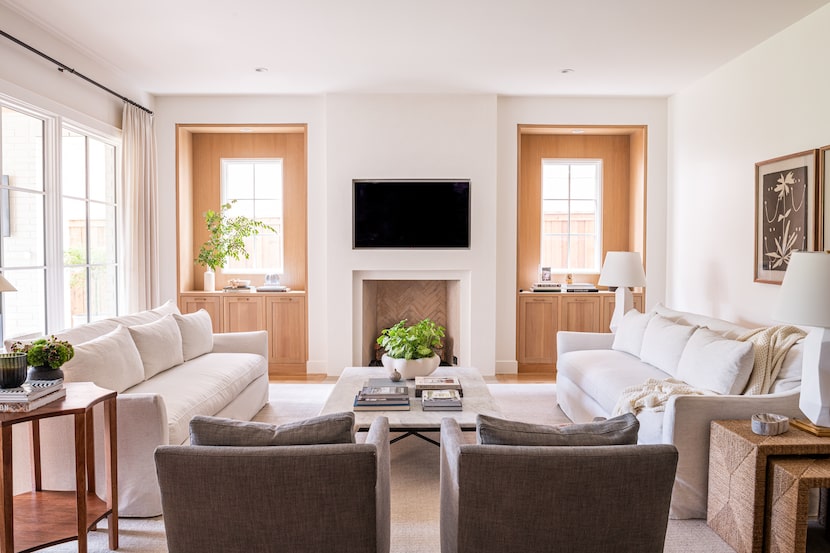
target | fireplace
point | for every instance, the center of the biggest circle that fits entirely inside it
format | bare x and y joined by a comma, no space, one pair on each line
384,299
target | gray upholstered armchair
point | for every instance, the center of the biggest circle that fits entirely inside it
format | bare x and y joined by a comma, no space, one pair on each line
506,498
293,499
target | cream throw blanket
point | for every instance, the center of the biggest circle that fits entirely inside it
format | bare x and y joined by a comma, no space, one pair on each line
653,394
771,346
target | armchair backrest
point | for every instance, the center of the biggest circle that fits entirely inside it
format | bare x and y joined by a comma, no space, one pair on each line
307,498
545,499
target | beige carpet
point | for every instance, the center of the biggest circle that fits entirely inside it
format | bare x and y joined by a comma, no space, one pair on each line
415,469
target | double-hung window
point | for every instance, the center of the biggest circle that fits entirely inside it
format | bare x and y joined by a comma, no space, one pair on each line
255,188
571,215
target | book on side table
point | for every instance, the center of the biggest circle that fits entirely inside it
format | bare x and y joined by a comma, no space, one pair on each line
31,395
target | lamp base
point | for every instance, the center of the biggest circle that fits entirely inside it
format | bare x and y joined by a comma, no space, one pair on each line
814,429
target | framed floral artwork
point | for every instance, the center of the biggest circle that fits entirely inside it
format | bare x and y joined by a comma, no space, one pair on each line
787,213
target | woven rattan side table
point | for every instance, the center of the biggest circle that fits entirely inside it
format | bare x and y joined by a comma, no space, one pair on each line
738,478
792,479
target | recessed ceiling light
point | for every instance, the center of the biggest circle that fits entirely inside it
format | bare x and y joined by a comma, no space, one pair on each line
261,70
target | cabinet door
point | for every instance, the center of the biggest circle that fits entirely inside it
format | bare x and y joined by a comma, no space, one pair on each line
243,313
287,330
213,305
580,313
538,324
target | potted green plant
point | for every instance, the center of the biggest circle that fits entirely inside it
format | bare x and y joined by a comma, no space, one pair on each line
45,356
226,240
410,350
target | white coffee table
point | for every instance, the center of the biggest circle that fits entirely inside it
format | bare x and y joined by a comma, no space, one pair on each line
477,400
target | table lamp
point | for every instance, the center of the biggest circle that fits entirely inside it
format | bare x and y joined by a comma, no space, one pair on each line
5,286
622,269
805,300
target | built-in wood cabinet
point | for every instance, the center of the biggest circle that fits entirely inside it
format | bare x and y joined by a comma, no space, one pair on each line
542,314
282,314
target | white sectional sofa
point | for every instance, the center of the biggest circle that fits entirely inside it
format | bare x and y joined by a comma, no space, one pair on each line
166,368
594,370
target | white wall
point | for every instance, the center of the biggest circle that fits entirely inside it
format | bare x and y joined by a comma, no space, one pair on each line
770,102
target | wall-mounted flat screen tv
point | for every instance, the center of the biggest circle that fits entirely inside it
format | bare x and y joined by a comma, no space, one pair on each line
428,213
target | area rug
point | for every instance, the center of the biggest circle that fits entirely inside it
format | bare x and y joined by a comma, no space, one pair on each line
415,473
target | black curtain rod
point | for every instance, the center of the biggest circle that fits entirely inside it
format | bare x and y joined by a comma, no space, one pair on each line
63,67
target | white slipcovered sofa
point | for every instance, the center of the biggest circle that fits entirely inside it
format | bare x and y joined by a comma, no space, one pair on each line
596,371
167,368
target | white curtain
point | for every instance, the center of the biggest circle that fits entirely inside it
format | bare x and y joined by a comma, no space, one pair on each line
141,243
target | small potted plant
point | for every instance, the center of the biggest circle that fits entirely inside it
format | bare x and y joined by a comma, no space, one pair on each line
410,350
45,357
226,240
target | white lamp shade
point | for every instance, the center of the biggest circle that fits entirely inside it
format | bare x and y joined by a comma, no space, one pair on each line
6,286
622,269
805,292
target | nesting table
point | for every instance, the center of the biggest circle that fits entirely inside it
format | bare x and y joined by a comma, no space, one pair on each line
758,485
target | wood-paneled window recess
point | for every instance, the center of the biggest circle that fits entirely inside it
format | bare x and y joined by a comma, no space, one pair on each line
262,169
581,193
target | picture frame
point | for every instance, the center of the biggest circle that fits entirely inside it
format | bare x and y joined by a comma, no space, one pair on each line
824,199
787,214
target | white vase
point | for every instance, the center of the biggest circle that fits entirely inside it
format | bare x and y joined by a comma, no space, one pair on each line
410,368
210,281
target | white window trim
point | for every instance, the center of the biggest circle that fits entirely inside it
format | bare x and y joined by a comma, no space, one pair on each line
600,205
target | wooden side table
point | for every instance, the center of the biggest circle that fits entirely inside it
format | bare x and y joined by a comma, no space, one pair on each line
739,461
41,518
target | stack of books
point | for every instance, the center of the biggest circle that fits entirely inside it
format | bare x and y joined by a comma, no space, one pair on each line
546,287
31,395
437,383
382,398
441,400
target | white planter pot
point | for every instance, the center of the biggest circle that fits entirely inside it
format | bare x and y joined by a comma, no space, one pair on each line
210,281
410,368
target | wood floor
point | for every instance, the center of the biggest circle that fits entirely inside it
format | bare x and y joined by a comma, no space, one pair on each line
520,378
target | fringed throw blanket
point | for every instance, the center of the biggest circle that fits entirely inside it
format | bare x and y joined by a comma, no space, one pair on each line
653,394
771,345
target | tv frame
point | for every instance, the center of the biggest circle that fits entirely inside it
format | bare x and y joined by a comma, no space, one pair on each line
466,181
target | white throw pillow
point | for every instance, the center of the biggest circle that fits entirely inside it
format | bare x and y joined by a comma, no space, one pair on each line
160,345
663,343
167,308
629,335
197,333
110,361
715,363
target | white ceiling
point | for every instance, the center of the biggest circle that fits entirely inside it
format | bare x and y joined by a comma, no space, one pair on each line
512,47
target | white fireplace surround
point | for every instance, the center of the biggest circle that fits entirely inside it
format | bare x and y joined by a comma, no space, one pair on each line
459,307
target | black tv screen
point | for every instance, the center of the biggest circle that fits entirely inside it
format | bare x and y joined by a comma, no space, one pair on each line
411,213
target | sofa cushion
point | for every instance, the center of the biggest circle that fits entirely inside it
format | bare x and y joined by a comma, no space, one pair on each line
663,343
167,308
110,361
160,345
715,363
629,335
197,333
603,374
202,386
336,428
621,430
